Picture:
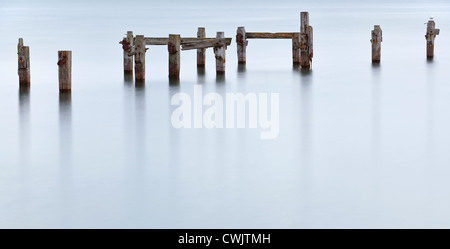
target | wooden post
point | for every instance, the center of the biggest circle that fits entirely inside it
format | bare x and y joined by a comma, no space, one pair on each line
241,40
127,45
174,56
65,71
432,32
296,48
201,52
24,64
306,41
377,38
139,58
220,55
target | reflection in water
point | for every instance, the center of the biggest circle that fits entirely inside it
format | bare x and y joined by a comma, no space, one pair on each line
24,146
137,176
376,112
220,78
128,78
306,190
306,72
430,109
175,82
306,98
242,68
65,155
24,118
200,74
376,130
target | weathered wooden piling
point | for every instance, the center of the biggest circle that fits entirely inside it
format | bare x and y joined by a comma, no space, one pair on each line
220,52
23,53
127,45
296,55
377,38
139,58
173,47
201,34
241,41
65,70
306,41
431,34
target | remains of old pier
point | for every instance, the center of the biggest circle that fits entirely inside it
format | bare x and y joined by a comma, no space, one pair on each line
242,36
65,71
431,34
302,42
306,41
175,44
23,53
377,38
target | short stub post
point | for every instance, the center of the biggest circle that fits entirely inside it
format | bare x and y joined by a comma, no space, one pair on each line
127,46
174,56
65,71
139,58
431,34
241,41
306,41
23,53
201,34
377,38
220,52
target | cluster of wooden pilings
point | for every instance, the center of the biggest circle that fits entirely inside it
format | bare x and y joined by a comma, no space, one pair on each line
64,68
136,47
377,38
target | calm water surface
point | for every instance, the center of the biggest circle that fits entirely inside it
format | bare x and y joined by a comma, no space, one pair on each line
360,146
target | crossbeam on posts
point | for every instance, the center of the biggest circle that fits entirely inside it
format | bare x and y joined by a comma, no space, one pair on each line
242,36
256,35
205,43
152,41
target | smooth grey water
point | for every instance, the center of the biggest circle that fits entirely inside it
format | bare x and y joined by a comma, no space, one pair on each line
360,146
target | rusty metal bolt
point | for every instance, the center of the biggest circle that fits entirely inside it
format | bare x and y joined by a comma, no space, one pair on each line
62,61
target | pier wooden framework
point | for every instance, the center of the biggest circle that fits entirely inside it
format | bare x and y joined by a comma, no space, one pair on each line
136,47
302,42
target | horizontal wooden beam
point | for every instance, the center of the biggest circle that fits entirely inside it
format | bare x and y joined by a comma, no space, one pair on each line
205,43
255,35
164,41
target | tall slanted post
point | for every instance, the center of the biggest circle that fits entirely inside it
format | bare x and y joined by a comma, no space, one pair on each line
432,32
127,45
65,71
377,38
306,41
220,52
241,41
201,51
296,58
23,53
139,58
174,56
